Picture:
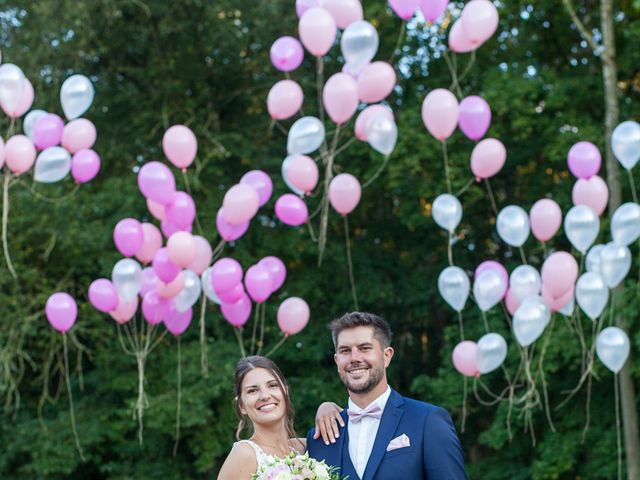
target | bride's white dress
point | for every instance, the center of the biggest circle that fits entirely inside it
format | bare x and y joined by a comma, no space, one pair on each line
261,456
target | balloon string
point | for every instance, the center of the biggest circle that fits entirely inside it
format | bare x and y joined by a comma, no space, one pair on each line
450,249
71,411
5,221
204,357
491,197
396,48
238,333
187,186
124,347
633,186
445,158
352,280
616,388
454,75
378,172
262,321
44,198
319,86
545,392
256,321
140,359
276,346
324,216
544,250
465,188
523,257
464,406
460,324
217,251
486,322
179,375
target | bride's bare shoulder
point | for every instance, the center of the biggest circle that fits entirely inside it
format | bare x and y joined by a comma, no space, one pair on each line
241,463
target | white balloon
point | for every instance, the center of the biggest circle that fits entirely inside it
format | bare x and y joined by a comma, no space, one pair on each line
491,352
592,294
513,225
382,134
11,86
305,135
593,258
359,44
488,289
568,309
207,286
612,347
525,281
189,295
454,286
615,263
625,143
30,121
447,212
581,226
127,278
76,96
625,224
530,320
52,165
285,176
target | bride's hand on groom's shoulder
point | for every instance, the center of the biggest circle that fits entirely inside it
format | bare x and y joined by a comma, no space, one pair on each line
327,420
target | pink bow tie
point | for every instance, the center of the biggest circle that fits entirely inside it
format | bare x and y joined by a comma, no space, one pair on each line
373,411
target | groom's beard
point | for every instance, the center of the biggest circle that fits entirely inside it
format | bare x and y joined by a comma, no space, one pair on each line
375,377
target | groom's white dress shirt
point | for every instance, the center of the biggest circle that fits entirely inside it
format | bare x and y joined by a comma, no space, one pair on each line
362,434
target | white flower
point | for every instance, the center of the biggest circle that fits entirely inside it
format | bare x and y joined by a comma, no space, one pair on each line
321,471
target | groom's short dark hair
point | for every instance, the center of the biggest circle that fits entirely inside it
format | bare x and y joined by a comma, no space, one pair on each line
381,329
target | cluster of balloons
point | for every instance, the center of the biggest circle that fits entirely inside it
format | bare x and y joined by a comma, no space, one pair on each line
472,359
55,148
430,9
476,25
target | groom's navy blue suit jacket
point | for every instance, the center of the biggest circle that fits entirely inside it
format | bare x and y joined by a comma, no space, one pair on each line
434,454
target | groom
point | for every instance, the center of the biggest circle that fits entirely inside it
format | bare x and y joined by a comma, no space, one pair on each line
387,436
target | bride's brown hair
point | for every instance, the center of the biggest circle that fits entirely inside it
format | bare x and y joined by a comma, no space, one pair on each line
244,366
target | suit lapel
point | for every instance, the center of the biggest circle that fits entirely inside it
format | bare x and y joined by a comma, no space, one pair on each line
334,452
388,425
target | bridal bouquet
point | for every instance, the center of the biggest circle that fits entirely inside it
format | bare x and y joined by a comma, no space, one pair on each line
295,467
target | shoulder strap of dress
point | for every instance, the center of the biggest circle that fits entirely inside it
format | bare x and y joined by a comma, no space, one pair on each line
260,454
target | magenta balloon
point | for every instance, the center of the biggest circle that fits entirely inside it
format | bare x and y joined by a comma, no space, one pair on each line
304,5
128,236
180,146
404,8
258,283
286,54
479,20
340,97
433,9
317,30
262,184
237,313
375,82
344,193
169,228
103,295
61,311
284,100
370,112
440,112
164,268
228,232
277,269
475,117
291,210
545,218
584,160
226,273
492,265
78,134
593,192
293,315
559,273
156,182
233,295
464,357
19,153
344,12
240,203
487,158
149,281
47,131
181,210
154,307
177,322
458,40
124,311
85,165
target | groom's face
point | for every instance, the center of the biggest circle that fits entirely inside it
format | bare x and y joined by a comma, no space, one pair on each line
361,359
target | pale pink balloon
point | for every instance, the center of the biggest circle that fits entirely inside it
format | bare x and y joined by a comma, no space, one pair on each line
376,82
156,209
487,158
171,289
559,273
344,193
182,249
458,40
237,313
433,9
593,192
261,182
370,112
404,8
512,302
464,358
203,255
124,311
277,269
61,311
26,100
291,210
559,302
344,12
317,30
284,100
479,20
293,315
228,232
302,172
304,5
180,146
20,153
545,218
440,113
2,154
78,134
340,97
151,242
240,204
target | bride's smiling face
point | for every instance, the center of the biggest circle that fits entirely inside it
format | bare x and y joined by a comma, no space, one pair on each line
262,398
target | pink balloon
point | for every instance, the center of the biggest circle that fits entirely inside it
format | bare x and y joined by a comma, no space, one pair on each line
262,184
284,100
440,112
1,152
240,204
293,315
464,356
376,82
487,158
237,313
512,302
78,135
344,12
203,255
226,273
85,165
479,20
124,311
291,210
151,242
233,295
162,265
317,30
584,160
20,153
154,307
340,97
103,295
156,209
492,265
61,311
593,192
559,302
371,111
458,40
302,172
171,289
344,193
180,146
286,54
404,8
156,182
559,274
258,283
169,228
47,131
182,249
177,322
475,117
304,5
128,236
149,281
228,232
181,210
26,100
433,9
277,270
545,218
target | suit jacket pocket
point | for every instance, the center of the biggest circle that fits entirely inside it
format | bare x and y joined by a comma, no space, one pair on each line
399,452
